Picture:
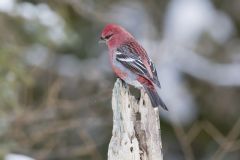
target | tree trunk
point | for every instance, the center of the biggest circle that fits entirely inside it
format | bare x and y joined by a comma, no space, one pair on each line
136,127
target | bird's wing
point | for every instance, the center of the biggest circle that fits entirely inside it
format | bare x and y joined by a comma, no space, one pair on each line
133,62
154,72
127,55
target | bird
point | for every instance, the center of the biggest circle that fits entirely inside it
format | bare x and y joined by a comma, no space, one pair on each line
131,63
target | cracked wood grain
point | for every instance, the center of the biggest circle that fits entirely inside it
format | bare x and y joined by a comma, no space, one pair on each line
136,127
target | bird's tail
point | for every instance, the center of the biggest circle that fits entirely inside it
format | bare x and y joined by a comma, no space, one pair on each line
155,98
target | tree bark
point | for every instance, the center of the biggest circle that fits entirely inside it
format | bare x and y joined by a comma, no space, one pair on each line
136,127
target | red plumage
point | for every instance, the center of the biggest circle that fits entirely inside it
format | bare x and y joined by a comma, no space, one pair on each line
130,61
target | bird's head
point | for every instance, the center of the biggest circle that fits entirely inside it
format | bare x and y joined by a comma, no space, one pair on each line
114,35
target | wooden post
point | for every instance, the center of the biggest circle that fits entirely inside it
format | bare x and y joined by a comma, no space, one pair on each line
136,127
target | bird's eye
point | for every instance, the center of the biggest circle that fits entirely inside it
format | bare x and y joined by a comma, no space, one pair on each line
108,36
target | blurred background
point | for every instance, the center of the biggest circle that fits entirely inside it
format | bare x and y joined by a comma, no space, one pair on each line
56,82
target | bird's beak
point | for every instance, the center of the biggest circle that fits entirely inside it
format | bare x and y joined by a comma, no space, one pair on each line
102,40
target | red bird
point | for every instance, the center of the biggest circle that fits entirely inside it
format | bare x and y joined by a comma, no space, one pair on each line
131,63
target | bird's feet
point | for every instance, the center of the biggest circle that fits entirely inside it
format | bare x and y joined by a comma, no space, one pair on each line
124,83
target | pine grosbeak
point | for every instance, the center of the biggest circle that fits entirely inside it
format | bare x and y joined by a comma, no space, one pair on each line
131,63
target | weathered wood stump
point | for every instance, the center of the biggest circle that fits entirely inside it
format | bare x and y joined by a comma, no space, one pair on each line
136,127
